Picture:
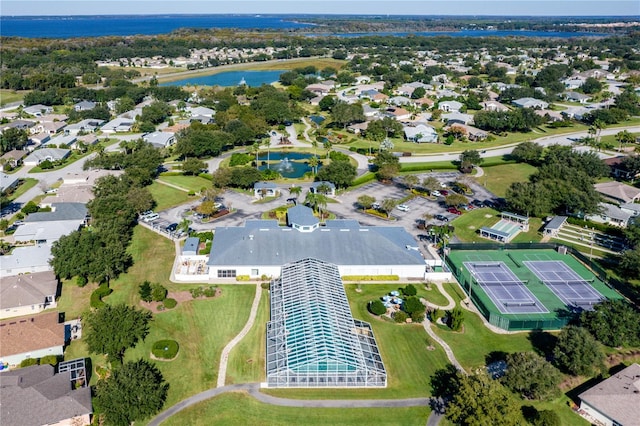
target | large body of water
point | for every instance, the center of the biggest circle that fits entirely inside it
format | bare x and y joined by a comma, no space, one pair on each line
95,26
230,78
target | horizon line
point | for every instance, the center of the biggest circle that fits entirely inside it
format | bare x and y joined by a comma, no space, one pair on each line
388,15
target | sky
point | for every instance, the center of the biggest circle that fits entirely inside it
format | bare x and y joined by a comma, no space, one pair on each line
359,7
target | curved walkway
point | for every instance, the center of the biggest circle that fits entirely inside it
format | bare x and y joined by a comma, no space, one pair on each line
451,303
224,358
253,389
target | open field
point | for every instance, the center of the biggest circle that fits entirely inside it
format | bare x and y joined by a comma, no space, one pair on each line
241,409
289,64
8,96
498,178
189,183
469,222
167,196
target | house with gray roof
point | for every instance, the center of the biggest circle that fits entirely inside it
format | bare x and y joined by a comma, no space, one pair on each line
610,214
51,154
12,158
31,337
315,186
160,139
27,294
576,97
42,227
530,103
35,396
61,140
119,124
616,400
26,260
8,182
632,208
449,106
261,247
86,126
84,106
38,110
420,134
265,189
618,192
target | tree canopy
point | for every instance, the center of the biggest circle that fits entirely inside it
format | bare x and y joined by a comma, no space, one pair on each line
134,392
340,173
111,330
577,352
614,323
531,376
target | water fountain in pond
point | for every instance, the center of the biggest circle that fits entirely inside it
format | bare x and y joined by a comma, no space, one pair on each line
284,165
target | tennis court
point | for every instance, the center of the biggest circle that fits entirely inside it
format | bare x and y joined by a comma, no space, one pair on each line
507,292
570,287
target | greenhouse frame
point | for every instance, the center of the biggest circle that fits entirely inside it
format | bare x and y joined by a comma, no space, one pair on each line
312,339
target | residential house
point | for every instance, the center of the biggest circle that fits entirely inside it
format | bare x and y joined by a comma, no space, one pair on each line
420,134
12,159
611,215
618,192
330,186
50,127
26,260
60,141
369,112
397,113
160,139
200,110
399,101
47,227
84,106
51,154
573,83
38,140
530,103
35,396
577,112
38,110
88,125
632,208
368,94
576,97
450,106
86,140
358,128
119,124
494,106
319,88
549,115
424,102
27,294
8,183
31,337
457,118
18,124
265,189
618,170
473,133
614,401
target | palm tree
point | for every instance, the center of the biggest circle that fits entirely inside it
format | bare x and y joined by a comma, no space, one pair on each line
311,200
321,203
295,190
313,163
599,126
323,189
255,148
267,143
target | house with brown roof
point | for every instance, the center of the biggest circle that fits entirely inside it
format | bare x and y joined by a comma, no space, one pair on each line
614,401
618,192
35,396
31,337
27,294
12,158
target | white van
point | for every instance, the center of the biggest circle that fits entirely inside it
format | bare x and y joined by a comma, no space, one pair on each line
151,217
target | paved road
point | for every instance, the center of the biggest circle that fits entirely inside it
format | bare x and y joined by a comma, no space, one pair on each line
254,390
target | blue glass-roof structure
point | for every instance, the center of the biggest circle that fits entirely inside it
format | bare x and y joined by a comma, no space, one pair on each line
312,339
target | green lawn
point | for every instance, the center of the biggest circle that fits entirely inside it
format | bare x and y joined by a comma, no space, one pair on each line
189,183
24,185
247,360
498,178
241,409
469,222
8,96
404,348
475,342
434,296
167,196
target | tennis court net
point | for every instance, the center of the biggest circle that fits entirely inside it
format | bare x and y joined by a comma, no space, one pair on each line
486,265
500,283
568,282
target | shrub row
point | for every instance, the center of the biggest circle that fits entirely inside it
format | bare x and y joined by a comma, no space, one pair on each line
370,278
48,359
96,297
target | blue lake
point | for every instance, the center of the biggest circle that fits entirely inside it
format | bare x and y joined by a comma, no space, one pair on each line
289,164
231,78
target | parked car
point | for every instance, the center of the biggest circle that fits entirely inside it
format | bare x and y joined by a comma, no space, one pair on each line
403,207
172,227
151,217
454,210
444,192
436,193
442,218
375,206
479,204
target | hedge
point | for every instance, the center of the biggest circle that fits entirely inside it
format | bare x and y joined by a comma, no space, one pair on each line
96,297
243,278
170,303
370,278
598,226
165,349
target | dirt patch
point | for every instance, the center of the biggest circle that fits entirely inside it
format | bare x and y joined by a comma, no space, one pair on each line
488,216
472,227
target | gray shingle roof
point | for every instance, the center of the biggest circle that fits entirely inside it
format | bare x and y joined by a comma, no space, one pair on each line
60,211
301,215
350,245
35,396
617,397
27,289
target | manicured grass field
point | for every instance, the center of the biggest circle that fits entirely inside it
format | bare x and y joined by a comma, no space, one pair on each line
470,222
241,409
8,96
189,183
167,196
404,348
434,296
247,360
498,178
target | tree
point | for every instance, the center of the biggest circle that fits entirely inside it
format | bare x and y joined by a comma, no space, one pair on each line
387,205
470,158
410,290
344,114
480,400
193,166
531,376
111,330
158,292
624,137
295,190
527,152
455,200
376,307
145,291
132,393
431,184
387,165
413,305
411,181
456,318
313,163
591,85
340,173
577,352
614,323
366,201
